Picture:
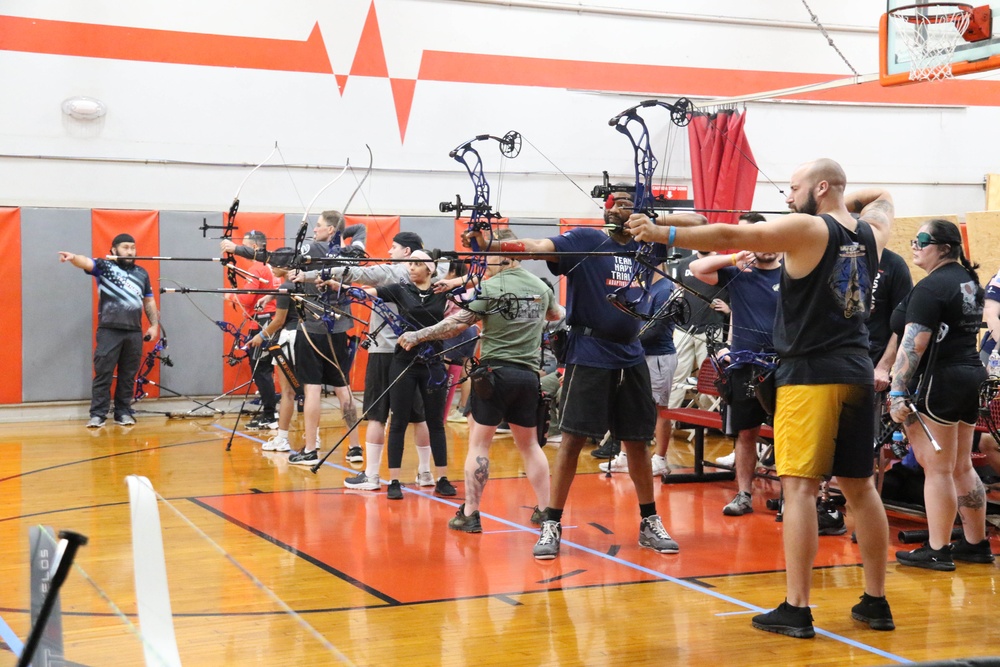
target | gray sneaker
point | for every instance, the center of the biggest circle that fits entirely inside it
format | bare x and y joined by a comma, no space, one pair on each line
740,505
653,535
125,420
95,422
425,478
547,546
363,482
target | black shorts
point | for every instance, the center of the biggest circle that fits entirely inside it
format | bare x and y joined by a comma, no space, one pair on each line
745,411
375,405
311,368
514,400
598,400
953,394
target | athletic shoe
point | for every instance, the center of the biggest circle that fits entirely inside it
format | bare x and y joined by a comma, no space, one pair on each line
457,417
363,482
355,455
537,516
873,611
765,455
607,449
653,535
617,464
739,505
728,459
504,427
553,439
303,458
547,546
395,491
467,524
425,478
971,553
125,420
444,487
95,422
829,519
660,466
276,444
927,558
262,422
787,620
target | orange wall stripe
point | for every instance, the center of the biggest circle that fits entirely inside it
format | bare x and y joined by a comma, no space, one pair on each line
10,295
145,227
90,40
381,229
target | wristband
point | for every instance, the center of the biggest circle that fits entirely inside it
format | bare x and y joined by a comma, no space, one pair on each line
897,394
512,246
671,235
732,258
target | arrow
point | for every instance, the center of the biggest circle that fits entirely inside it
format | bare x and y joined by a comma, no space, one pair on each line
89,40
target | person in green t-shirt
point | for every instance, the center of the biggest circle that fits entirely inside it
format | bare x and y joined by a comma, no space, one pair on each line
513,307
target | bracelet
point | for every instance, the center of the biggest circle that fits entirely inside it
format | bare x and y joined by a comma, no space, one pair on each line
732,258
897,394
671,235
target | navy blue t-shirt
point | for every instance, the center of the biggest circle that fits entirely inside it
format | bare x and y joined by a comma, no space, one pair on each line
590,279
658,339
122,293
753,298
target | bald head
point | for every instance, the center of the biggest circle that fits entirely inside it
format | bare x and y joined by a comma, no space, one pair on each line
825,169
817,186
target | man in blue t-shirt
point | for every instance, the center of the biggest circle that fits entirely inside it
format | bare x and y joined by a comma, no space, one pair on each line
125,293
752,280
606,386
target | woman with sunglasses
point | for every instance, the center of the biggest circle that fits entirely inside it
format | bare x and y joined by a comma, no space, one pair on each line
939,374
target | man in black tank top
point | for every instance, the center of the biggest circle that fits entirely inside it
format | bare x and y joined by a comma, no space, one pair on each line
824,424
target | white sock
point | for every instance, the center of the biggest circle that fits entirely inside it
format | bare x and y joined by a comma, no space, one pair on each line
282,435
424,459
373,454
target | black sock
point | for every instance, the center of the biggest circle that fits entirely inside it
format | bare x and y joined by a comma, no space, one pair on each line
647,510
552,514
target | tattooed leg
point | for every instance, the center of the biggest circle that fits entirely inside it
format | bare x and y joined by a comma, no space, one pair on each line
475,483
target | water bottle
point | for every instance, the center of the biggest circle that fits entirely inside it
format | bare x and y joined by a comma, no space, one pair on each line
898,445
993,365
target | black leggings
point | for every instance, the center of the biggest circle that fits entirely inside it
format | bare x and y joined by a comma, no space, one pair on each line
401,399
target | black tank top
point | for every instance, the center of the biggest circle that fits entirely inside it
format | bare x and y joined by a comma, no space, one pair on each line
820,331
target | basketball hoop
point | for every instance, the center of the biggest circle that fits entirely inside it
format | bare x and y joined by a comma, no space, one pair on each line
930,32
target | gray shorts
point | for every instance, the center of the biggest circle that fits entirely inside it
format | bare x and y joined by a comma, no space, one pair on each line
661,376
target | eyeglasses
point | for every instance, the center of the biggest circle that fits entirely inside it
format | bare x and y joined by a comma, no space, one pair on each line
923,240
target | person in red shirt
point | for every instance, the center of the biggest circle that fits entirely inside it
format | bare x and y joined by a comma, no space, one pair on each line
260,308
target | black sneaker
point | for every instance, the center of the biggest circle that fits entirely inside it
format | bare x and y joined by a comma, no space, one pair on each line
787,620
444,487
873,611
303,458
971,553
608,449
927,558
830,519
395,491
467,524
537,516
262,422
355,455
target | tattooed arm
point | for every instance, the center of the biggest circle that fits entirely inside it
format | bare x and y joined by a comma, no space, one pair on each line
876,208
916,338
446,328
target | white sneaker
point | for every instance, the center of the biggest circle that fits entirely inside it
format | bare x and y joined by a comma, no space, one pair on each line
617,464
276,444
425,478
660,466
363,482
728,460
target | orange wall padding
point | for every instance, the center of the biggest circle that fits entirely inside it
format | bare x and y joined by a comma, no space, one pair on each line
273,226
381,229
10,296
144,226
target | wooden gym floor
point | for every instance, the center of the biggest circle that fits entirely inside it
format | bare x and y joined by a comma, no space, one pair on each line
388,583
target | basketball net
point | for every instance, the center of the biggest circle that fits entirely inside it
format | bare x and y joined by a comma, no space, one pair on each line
929,39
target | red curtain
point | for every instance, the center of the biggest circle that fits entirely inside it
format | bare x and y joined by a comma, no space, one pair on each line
723,169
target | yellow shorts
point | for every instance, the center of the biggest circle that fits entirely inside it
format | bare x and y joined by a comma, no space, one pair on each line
824,429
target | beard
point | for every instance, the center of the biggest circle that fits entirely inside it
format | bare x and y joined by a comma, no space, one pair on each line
615,218
126,262
810,207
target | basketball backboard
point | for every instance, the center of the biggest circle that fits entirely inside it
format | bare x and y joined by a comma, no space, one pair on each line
912,32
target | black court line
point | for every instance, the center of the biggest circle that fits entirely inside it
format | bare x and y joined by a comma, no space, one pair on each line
614,549
565,575
509,600
606,531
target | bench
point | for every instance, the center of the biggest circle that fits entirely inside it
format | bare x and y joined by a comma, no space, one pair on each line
701,420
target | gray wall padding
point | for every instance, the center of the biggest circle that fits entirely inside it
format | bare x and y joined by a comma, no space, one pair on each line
195,344
56,312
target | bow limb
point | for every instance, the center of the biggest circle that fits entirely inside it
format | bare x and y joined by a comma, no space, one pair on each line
371,162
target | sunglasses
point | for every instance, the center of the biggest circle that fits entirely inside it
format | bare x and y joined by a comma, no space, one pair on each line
923,240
